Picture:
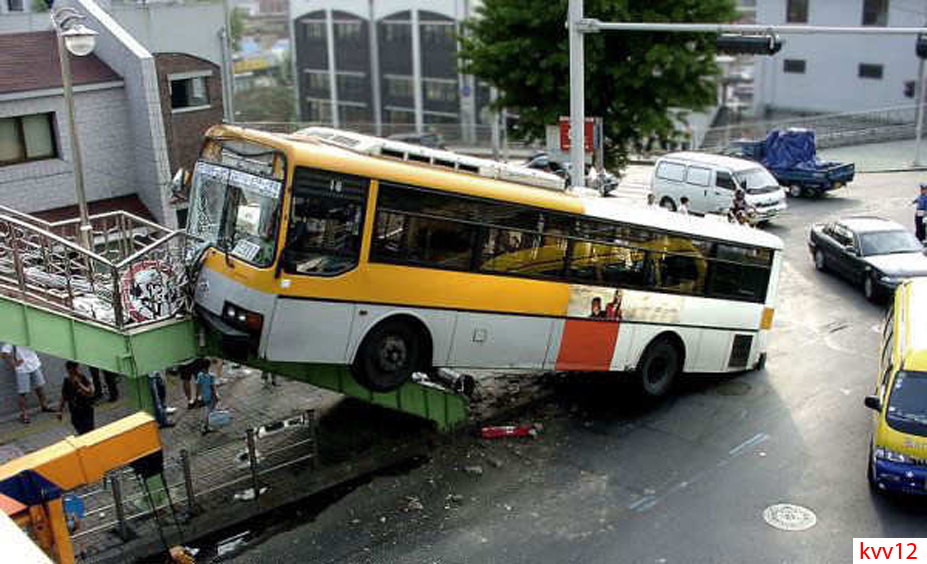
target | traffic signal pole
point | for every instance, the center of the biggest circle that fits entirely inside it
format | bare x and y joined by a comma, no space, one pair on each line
919,111
578,26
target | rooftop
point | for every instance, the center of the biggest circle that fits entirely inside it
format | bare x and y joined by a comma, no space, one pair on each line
29,61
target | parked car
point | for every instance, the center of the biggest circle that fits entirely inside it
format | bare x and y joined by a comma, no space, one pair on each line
871,252
709,181
791,156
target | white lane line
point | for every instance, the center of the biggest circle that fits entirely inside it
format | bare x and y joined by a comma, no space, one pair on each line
752,441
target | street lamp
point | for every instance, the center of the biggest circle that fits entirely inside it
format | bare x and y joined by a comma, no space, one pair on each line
78,40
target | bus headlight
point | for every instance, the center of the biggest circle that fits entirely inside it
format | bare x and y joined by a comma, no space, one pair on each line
241,318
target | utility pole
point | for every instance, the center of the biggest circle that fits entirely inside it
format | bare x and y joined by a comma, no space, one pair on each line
577,95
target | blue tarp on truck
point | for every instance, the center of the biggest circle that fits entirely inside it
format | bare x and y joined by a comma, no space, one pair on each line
791,156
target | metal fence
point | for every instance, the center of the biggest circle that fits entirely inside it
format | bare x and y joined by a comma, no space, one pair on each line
195,483
133,275
831,130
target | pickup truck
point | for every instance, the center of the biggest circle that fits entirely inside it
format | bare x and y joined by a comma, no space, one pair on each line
790,155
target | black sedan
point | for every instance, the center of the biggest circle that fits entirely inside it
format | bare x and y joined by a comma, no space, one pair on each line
873,252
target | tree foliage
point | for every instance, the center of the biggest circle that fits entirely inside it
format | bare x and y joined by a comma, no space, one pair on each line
237,26
638,82
270,103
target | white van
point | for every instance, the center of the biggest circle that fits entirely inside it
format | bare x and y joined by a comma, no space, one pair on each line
709,181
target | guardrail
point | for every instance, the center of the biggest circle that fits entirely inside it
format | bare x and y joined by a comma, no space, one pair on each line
133,275
831,130
197,482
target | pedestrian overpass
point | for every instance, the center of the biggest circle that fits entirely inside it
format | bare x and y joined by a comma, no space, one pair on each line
126,306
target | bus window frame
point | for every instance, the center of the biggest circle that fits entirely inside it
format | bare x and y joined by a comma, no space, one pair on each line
570,238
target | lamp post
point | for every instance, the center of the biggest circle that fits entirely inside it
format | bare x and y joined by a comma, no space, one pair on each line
78,40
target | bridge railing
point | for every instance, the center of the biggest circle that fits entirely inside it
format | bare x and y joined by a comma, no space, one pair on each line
133,275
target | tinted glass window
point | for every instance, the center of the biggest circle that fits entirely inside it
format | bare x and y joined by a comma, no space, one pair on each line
440,243
326,222
698,176
795,66
887,242
797,11
907,403
678,273
724,180
517,252
671,171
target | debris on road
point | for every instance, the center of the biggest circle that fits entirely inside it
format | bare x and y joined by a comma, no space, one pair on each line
499,431
474,470
413,504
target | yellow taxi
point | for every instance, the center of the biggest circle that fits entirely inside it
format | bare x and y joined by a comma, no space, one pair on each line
898,449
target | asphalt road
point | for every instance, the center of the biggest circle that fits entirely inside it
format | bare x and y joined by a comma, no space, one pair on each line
613,479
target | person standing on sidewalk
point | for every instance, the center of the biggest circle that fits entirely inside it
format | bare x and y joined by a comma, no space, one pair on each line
206,382
920,214
77,395
158,396
28,368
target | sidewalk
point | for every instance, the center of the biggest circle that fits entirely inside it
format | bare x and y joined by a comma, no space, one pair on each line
354,439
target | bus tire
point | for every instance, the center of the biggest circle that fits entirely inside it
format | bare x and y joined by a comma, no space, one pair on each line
389,355
658,367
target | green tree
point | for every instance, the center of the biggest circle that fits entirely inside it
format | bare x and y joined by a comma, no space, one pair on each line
269,103
237,27
638,82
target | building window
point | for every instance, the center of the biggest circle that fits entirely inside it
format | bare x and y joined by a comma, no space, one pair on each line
397,31
315,30
348,31
354,114
796,66
875,12
797,11
14,5
319,111
440,90
27,138
438,33
399,116
399,86
352,86
870,71
189,93
317,80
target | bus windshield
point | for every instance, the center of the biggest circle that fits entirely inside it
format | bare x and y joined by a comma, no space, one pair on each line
236,211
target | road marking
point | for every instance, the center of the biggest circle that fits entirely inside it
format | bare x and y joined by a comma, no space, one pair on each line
754,440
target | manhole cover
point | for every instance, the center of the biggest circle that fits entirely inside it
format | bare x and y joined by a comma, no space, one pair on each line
789,517
735,388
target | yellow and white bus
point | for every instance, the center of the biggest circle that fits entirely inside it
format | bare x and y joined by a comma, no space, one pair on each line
334,248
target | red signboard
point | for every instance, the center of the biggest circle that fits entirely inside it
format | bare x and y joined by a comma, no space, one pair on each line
565,134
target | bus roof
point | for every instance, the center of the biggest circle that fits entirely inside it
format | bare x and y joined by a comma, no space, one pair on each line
316,153
665,220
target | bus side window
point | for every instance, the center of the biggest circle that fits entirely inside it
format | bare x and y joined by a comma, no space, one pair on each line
326,223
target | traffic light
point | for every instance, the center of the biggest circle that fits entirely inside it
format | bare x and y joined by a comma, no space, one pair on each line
921,46
768,44
909,88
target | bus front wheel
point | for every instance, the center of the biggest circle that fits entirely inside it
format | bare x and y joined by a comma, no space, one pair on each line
658,368
389,355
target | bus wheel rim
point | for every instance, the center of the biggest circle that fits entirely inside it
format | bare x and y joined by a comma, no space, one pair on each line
393,353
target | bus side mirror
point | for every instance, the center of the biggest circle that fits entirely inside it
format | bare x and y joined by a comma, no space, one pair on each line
873,402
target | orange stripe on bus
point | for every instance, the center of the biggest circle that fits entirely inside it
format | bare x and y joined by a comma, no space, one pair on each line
587,344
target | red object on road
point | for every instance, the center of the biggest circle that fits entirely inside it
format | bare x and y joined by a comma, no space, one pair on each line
498,431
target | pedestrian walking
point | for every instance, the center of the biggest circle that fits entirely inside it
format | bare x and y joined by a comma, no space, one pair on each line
158,395
683,205
920,214
206,382
28,369
77,396
111,387
268,378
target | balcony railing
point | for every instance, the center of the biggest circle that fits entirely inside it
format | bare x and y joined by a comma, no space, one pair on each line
134,274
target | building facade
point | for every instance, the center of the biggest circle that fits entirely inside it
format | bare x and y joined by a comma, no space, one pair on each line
142,105
388,64
837,73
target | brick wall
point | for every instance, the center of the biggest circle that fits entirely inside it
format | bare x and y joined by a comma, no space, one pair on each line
184,130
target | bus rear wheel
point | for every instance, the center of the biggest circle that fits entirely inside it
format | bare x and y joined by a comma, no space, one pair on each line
389,355
658,368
